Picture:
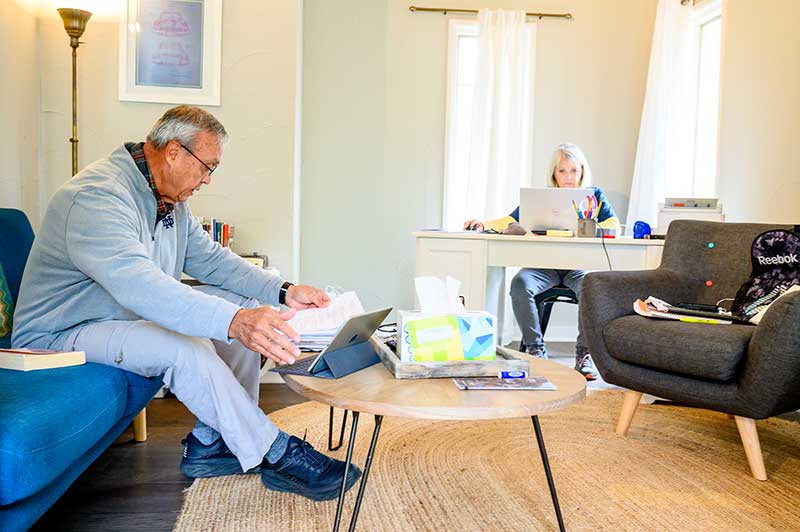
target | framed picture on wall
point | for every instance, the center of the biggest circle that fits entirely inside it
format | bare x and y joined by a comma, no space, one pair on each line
170,51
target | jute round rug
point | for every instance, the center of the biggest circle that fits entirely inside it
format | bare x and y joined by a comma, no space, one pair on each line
678,469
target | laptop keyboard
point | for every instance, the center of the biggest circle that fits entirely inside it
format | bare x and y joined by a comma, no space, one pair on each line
298,368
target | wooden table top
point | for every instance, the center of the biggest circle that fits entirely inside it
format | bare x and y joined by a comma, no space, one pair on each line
374,390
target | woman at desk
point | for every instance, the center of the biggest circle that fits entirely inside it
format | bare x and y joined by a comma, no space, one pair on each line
568,169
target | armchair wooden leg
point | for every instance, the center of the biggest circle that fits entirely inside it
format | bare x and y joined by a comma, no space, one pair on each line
752,447
140,426
629,405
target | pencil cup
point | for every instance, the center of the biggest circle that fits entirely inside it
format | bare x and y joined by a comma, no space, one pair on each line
587,228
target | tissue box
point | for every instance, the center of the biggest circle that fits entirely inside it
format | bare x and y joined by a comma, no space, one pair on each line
425,337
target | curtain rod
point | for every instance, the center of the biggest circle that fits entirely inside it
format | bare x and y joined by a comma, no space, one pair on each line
445,11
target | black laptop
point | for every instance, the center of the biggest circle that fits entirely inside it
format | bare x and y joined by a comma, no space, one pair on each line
349,351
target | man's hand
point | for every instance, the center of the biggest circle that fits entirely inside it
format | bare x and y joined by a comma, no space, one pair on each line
265,331
303,296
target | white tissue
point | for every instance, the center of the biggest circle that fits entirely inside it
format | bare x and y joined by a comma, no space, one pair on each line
438,297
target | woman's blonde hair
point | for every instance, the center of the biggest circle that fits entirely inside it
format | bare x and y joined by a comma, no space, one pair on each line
574,154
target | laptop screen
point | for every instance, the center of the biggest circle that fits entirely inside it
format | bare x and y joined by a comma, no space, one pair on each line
354,331
550,208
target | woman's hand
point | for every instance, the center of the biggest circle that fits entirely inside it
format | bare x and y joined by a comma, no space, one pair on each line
473,225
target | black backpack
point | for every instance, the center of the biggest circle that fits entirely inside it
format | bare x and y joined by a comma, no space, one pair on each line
776,268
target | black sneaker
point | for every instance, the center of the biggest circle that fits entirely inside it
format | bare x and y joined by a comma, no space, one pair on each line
307,472
585,365
204,461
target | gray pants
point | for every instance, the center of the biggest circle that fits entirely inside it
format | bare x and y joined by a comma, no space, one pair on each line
217,381
525,286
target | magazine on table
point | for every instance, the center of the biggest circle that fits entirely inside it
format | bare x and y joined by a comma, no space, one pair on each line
493,383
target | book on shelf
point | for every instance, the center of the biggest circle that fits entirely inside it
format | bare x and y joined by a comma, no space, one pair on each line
219,231
30,359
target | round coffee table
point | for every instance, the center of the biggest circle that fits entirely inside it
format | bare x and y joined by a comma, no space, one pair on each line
375,391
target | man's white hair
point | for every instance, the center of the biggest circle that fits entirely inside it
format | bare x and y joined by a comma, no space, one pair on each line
183,123
574,154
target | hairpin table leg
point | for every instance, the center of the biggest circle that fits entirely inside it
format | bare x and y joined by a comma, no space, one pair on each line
540,439
378,420
330,431
348,461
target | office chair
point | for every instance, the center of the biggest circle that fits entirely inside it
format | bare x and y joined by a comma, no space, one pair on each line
545,301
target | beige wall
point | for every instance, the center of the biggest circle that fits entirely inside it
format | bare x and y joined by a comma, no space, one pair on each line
373,128
19,100
760,111
253,188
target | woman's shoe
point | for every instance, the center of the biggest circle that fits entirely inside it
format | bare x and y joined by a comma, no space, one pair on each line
585,365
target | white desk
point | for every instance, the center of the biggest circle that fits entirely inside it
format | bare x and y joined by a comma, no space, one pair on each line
468,257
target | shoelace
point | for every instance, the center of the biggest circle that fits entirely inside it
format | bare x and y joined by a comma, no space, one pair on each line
309,453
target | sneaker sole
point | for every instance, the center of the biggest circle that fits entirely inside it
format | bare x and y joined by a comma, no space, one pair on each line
214,467
276,482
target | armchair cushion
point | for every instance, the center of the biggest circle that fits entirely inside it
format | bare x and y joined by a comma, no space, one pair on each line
710,352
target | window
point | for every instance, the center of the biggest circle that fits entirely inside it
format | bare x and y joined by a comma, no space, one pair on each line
462,62
488,146
708,17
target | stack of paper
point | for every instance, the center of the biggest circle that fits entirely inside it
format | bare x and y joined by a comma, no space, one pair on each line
318,326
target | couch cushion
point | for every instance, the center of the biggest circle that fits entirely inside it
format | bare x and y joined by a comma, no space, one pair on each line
48,418
140,391
6,311
705,351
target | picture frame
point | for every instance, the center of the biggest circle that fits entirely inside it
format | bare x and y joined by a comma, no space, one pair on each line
170,51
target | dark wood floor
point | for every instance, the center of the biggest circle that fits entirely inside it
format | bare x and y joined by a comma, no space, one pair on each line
137,486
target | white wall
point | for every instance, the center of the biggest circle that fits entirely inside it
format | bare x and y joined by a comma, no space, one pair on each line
759,178
373,128
19,100
253,188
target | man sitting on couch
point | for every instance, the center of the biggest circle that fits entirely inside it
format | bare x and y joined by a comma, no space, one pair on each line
104,277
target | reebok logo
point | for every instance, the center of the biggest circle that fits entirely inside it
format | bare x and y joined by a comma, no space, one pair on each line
785,259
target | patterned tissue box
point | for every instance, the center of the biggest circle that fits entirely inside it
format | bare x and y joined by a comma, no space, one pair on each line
439,338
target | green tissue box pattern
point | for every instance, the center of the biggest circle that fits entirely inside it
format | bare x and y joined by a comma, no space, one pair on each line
443,338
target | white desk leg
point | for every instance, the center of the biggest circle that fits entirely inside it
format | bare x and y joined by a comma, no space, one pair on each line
462,259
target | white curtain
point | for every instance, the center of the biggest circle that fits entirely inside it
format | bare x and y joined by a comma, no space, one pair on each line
501,144
502,117
665,151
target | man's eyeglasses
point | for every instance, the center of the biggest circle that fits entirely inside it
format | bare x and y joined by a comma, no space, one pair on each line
210,170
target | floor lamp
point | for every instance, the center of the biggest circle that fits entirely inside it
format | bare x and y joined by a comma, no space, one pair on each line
75,23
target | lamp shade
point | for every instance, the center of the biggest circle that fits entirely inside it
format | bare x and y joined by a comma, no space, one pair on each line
74,22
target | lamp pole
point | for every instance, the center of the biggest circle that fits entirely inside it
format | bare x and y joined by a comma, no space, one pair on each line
75,23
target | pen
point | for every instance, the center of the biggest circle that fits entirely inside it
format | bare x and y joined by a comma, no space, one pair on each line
577,210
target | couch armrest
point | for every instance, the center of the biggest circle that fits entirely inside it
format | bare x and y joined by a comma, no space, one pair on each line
606,296
771,373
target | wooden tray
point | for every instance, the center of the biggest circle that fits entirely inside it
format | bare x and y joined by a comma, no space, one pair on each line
507,360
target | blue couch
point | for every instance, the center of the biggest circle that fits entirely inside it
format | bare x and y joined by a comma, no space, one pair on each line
54,423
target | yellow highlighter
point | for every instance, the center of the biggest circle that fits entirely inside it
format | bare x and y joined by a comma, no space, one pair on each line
688,319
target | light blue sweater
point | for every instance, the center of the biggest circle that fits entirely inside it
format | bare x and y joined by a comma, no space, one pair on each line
99,255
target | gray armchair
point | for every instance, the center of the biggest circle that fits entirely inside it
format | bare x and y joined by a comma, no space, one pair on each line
746,371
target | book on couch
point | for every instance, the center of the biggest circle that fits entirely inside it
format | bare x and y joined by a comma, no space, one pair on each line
29,359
